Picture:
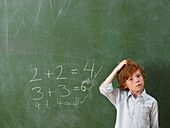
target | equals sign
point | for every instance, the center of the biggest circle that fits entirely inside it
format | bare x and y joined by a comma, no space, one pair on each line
76,88
74,71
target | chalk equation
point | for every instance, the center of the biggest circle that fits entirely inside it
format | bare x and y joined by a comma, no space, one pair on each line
59,93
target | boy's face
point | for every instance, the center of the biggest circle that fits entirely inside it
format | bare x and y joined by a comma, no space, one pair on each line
135,83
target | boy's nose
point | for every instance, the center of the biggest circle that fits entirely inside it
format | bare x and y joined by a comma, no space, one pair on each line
136,80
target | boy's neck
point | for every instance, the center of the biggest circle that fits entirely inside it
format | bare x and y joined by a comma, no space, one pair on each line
136,94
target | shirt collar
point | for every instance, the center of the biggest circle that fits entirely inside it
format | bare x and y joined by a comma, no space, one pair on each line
129,94
143,94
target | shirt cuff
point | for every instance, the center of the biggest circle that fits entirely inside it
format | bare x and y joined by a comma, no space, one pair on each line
107,89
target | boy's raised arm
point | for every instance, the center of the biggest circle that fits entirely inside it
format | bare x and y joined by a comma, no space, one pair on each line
110,78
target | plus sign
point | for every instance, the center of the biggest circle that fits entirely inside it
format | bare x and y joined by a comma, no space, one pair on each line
47,104
49,74
50,92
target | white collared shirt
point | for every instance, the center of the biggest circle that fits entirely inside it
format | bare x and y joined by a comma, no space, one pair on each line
141,112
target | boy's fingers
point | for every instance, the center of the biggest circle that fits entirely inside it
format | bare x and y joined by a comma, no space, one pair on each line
124,62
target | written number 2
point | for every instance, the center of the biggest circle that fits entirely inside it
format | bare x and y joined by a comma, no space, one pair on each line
59,77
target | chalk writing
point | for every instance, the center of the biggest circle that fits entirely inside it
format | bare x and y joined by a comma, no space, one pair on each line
74,71
58,92
41,94
49,74
35,74
59,77
50,92
90,70
67,91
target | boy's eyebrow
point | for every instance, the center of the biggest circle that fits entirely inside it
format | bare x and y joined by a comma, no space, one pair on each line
129,78
139,73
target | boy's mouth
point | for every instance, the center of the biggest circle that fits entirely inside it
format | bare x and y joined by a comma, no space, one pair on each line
138,85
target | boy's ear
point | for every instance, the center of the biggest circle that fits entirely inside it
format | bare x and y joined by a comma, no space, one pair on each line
126,87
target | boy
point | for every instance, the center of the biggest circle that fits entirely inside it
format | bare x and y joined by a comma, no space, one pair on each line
135,108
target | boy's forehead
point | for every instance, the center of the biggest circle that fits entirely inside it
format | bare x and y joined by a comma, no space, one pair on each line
138,71
135,72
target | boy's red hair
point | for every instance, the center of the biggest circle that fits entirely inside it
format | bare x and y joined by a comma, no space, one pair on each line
126,72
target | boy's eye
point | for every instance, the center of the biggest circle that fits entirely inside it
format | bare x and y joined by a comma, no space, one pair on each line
130,79
138,75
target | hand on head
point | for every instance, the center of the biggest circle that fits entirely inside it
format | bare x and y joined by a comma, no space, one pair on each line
121,64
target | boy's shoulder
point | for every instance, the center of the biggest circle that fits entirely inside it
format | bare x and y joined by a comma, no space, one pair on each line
149,98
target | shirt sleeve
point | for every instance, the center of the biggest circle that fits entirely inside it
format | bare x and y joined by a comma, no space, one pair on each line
154,115
113,94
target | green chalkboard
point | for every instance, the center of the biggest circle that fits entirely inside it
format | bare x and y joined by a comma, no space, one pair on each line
54,54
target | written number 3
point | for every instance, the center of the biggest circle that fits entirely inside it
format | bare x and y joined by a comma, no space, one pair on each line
41,94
